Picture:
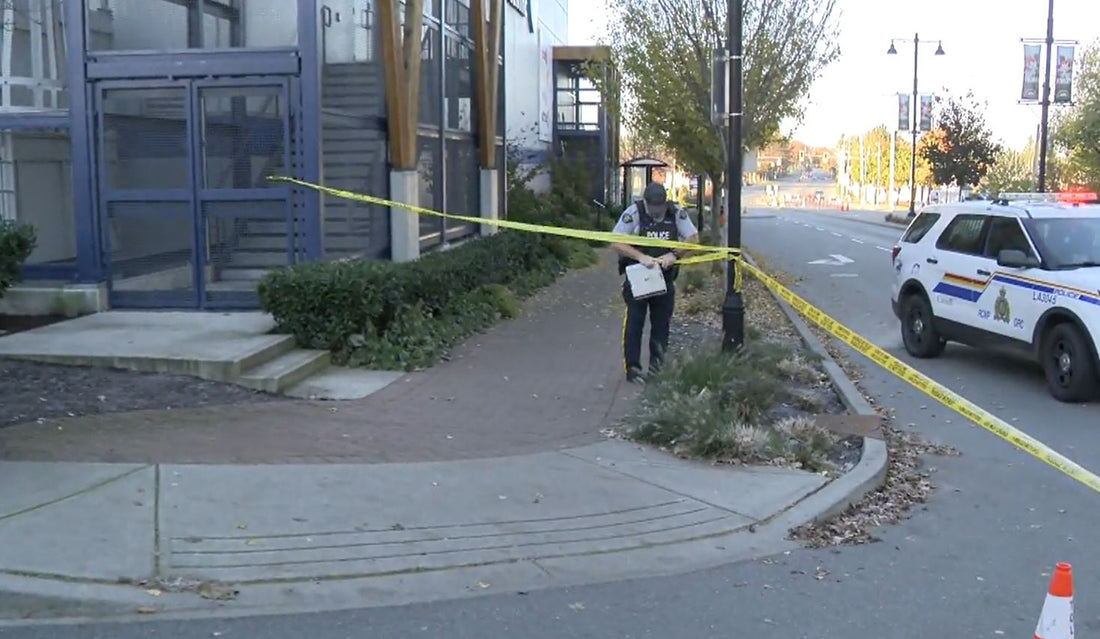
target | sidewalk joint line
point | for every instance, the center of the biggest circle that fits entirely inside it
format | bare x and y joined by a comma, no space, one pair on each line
79,493
664,488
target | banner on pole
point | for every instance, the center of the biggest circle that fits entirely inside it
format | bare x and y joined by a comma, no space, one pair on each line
904,109
1063,78
926,112
1030,89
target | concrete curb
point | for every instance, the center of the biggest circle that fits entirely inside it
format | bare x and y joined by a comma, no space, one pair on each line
870,473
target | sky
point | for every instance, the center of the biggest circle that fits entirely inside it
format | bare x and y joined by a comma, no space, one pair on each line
981,40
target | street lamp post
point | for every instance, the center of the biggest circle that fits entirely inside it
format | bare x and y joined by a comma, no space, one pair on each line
915,126
733,308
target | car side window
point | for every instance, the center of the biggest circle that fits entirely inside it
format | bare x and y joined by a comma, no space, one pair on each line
1005,233
965,234
920,227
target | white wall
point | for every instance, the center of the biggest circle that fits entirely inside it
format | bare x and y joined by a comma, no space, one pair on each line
523,90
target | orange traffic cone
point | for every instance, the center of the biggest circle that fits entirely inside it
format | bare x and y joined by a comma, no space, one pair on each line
1056,619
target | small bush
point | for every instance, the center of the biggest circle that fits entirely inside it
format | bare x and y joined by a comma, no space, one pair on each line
405,316
17,242
712,404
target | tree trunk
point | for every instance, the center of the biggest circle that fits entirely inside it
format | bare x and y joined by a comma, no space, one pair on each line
716,210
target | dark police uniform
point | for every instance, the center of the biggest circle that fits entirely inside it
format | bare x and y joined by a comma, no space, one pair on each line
674,225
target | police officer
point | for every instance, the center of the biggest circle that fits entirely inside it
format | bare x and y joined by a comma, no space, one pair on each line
652,216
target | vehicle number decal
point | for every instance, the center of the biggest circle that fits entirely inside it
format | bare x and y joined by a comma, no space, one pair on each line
1044,297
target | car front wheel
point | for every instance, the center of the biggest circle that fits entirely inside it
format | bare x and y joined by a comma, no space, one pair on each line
1068,364
918,330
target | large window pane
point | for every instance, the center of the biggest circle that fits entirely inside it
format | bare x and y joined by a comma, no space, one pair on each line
429,166
462,184
460,85
431,83
159,25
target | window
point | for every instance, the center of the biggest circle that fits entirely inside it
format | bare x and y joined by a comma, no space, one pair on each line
964,234
920,227
1005,234
1067,243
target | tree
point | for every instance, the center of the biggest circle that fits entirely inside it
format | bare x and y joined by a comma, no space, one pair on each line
1077,130
960,149
661,50
1013,171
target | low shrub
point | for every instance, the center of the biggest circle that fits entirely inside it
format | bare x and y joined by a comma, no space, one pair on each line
406,316
712,404
17,242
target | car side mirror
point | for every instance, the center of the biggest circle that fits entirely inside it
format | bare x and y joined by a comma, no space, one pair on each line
1013,258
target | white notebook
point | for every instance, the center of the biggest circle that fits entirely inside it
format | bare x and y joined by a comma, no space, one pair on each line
646,282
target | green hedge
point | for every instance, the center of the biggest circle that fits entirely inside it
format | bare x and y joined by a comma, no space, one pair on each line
17,241
405,316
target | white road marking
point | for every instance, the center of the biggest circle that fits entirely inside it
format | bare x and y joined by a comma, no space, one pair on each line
844,275
856,241
819,228
838,260
883,248
837,234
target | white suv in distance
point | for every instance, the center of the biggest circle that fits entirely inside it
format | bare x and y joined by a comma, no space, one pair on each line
997,274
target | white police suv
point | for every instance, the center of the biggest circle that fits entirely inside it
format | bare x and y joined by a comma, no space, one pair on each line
1016,273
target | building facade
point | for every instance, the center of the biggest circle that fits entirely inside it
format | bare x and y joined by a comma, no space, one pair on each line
137,136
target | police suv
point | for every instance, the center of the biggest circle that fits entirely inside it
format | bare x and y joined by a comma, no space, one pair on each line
1022,273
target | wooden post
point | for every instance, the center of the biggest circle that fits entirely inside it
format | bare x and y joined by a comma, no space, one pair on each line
486,36
401,64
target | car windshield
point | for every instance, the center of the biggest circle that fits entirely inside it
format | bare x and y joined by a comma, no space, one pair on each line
1067,242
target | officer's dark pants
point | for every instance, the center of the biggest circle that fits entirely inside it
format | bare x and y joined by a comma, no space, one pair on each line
660,315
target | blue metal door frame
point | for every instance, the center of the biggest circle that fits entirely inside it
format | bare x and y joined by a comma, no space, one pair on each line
196,195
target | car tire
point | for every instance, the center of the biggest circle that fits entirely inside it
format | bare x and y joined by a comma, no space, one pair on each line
918,330
1068,364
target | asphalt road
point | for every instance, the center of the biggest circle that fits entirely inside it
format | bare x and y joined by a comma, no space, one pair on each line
974,562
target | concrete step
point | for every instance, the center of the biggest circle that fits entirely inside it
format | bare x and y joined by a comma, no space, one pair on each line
243,273
286,370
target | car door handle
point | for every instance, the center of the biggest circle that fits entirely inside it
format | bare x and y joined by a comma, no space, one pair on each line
984,272
932,260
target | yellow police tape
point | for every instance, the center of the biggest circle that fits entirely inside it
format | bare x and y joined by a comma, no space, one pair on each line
930,387
925,384
713,252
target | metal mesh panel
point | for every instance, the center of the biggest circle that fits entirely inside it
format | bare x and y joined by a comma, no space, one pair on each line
244,141
463,182
354,160
243,240
150,246
244,134
145,142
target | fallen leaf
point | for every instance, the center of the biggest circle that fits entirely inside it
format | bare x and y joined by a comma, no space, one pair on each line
154,592
146,610
216,591
576,606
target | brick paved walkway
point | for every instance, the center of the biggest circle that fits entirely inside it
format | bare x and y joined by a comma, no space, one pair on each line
549,379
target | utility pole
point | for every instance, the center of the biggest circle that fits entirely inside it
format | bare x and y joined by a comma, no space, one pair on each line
893,155
1045,130
733,309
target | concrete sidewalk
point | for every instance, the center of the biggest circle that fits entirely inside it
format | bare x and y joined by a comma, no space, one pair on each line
487,473
316,537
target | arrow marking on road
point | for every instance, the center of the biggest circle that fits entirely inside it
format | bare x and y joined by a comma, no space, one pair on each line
837,260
